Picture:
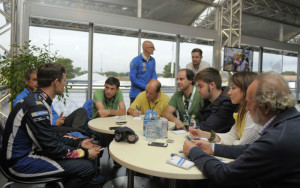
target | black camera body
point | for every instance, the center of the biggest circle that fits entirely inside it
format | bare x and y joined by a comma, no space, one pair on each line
125,133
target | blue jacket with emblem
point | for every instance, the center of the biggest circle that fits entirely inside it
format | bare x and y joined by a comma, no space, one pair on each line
30,147
26,92
141,72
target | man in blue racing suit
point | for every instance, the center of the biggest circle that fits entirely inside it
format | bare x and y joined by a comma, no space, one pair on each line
32,149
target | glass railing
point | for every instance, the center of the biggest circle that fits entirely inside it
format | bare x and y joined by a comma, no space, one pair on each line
78,96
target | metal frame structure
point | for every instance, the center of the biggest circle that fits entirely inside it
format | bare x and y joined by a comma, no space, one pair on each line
36,14
273,10
231,22
8,25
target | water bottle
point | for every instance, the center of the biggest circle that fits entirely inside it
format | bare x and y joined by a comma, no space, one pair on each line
164,128
193,121
153,115
155,126
158,127
146,121
150,125
150,113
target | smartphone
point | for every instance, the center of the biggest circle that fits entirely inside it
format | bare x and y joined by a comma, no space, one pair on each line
188,138
121,122
158,144
114,128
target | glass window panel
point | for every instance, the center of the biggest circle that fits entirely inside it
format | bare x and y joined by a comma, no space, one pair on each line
72,45
272,62
5,36
255,61
4,107
186,53
5,42
290,71
290,65
164,54
112,55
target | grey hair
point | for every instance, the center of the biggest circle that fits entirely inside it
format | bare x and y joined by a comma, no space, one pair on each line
273,89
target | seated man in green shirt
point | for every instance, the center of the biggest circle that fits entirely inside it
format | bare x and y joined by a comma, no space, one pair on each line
108,102
187,101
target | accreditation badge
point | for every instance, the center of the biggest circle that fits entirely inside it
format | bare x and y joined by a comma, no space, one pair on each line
144,67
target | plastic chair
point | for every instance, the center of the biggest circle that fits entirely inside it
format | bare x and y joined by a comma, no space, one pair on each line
88,106
37,180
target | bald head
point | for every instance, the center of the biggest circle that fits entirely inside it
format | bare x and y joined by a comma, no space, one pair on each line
148,48
153,90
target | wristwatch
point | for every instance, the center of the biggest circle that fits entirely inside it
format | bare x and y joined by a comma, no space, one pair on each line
212,136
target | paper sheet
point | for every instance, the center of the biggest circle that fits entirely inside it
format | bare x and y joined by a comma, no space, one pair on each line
180,132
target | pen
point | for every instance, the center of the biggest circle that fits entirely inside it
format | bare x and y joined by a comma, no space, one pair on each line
137,108
200,139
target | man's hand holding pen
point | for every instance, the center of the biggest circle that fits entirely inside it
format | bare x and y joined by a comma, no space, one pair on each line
136,112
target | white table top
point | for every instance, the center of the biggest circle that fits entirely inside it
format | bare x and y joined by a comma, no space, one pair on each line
142,158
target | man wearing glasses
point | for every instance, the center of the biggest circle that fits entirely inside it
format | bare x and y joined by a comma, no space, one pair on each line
187,101
142,70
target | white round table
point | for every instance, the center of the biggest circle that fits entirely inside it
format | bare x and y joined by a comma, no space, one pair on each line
146,159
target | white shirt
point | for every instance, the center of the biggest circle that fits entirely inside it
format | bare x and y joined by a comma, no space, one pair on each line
250,133
203,65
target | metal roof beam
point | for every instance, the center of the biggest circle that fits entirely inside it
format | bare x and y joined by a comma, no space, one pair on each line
274,10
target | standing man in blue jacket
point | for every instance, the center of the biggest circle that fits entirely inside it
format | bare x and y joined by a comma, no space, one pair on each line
142,70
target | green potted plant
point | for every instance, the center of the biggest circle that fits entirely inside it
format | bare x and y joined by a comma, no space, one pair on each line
14,68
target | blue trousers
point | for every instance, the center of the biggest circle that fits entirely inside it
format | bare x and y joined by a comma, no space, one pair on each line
78,172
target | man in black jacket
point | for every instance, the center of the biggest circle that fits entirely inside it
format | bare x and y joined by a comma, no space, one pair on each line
217,113
272,160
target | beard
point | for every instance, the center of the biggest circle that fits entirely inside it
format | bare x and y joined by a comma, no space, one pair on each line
208,95
258,118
